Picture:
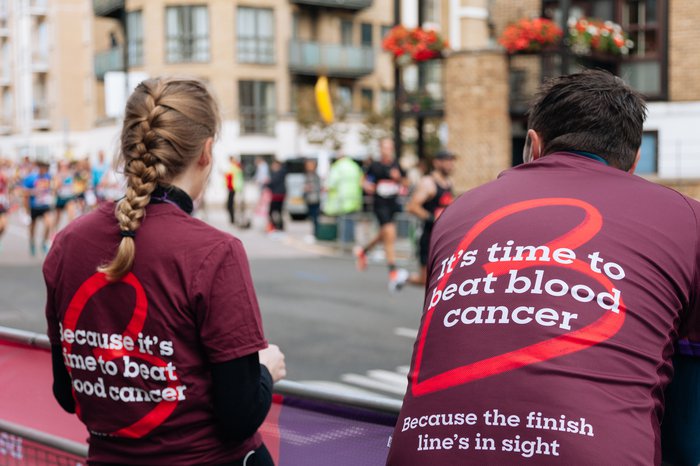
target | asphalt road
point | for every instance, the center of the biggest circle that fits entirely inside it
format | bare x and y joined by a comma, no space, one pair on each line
329,319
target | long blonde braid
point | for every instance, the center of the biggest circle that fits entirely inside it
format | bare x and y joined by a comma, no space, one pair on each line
166,124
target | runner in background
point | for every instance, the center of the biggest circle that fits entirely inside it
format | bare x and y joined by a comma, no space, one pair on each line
384,179
98,171
25,168
81,184
4,197
190,380
40,193
431,196
555,297
65,192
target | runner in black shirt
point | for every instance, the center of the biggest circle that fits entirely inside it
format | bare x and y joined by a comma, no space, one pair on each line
384,179
432,195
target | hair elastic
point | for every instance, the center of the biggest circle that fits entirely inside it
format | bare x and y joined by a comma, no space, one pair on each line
127,234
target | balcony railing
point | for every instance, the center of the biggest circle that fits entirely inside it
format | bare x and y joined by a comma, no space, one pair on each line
40,116
335,60
40,60
343,4
110,60
111,8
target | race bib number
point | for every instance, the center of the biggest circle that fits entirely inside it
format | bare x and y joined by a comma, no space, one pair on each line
387,188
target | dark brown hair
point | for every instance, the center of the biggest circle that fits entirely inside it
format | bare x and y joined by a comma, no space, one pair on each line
592,111
166,125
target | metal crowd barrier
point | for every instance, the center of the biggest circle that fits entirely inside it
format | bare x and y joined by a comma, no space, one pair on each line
67,452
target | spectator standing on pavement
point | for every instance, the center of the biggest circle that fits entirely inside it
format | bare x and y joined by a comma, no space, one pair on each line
98,171
431,196
234,182
278,191
40,192
343,188
555,295
178,369
312,192
384,179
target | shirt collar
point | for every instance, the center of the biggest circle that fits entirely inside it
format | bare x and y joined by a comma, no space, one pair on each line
172,195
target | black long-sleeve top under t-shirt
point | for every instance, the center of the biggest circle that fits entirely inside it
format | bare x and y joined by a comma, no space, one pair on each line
242,393
242,387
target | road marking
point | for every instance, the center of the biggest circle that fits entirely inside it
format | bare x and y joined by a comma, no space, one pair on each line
372,383
406,332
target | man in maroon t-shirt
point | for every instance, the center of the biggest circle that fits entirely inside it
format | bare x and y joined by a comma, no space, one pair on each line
554,298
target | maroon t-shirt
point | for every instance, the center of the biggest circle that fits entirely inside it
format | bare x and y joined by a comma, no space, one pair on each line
555,294
139,351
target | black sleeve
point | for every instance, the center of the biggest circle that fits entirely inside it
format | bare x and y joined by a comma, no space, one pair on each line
62,389
242,395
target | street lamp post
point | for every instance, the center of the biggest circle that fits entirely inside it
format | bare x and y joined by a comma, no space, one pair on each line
397,87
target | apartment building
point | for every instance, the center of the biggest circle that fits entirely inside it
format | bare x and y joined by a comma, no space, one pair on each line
260,57
45,74
488,91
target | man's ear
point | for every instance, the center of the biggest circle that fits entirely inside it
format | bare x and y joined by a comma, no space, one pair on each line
535,144
636,161
205,158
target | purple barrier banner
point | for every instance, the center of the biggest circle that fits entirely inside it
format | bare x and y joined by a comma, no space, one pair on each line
305,432
19,451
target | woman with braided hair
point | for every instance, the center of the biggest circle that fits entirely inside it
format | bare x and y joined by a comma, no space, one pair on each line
157,340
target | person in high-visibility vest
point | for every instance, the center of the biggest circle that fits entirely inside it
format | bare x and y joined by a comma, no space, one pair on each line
234,182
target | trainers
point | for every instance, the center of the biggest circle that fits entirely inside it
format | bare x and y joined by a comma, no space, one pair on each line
360,258
32,250
397,279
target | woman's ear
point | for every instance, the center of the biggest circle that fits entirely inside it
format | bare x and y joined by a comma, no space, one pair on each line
205,157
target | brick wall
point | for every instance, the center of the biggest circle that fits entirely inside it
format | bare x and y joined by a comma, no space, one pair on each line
504,12
476,109
684,58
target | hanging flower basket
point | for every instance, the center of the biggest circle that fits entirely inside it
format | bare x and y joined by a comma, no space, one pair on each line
589,36
414,45
530,35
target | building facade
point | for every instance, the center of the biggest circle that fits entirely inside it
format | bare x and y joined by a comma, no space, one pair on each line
261,58
662,65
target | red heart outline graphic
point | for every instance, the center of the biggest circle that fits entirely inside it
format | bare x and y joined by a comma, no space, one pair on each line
87,290
594,333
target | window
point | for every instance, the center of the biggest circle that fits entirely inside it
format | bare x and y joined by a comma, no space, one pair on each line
6,60
644,21
187,36
385,30
7,107
41,52
643,68
295,25
367,100
134,34
648,160
256,35
346,32
386,101
431,12
344,99
257,107
366,38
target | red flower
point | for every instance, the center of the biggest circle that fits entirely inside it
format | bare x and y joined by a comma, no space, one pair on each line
418,43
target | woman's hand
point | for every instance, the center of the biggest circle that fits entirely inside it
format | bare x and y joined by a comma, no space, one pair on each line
272,358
